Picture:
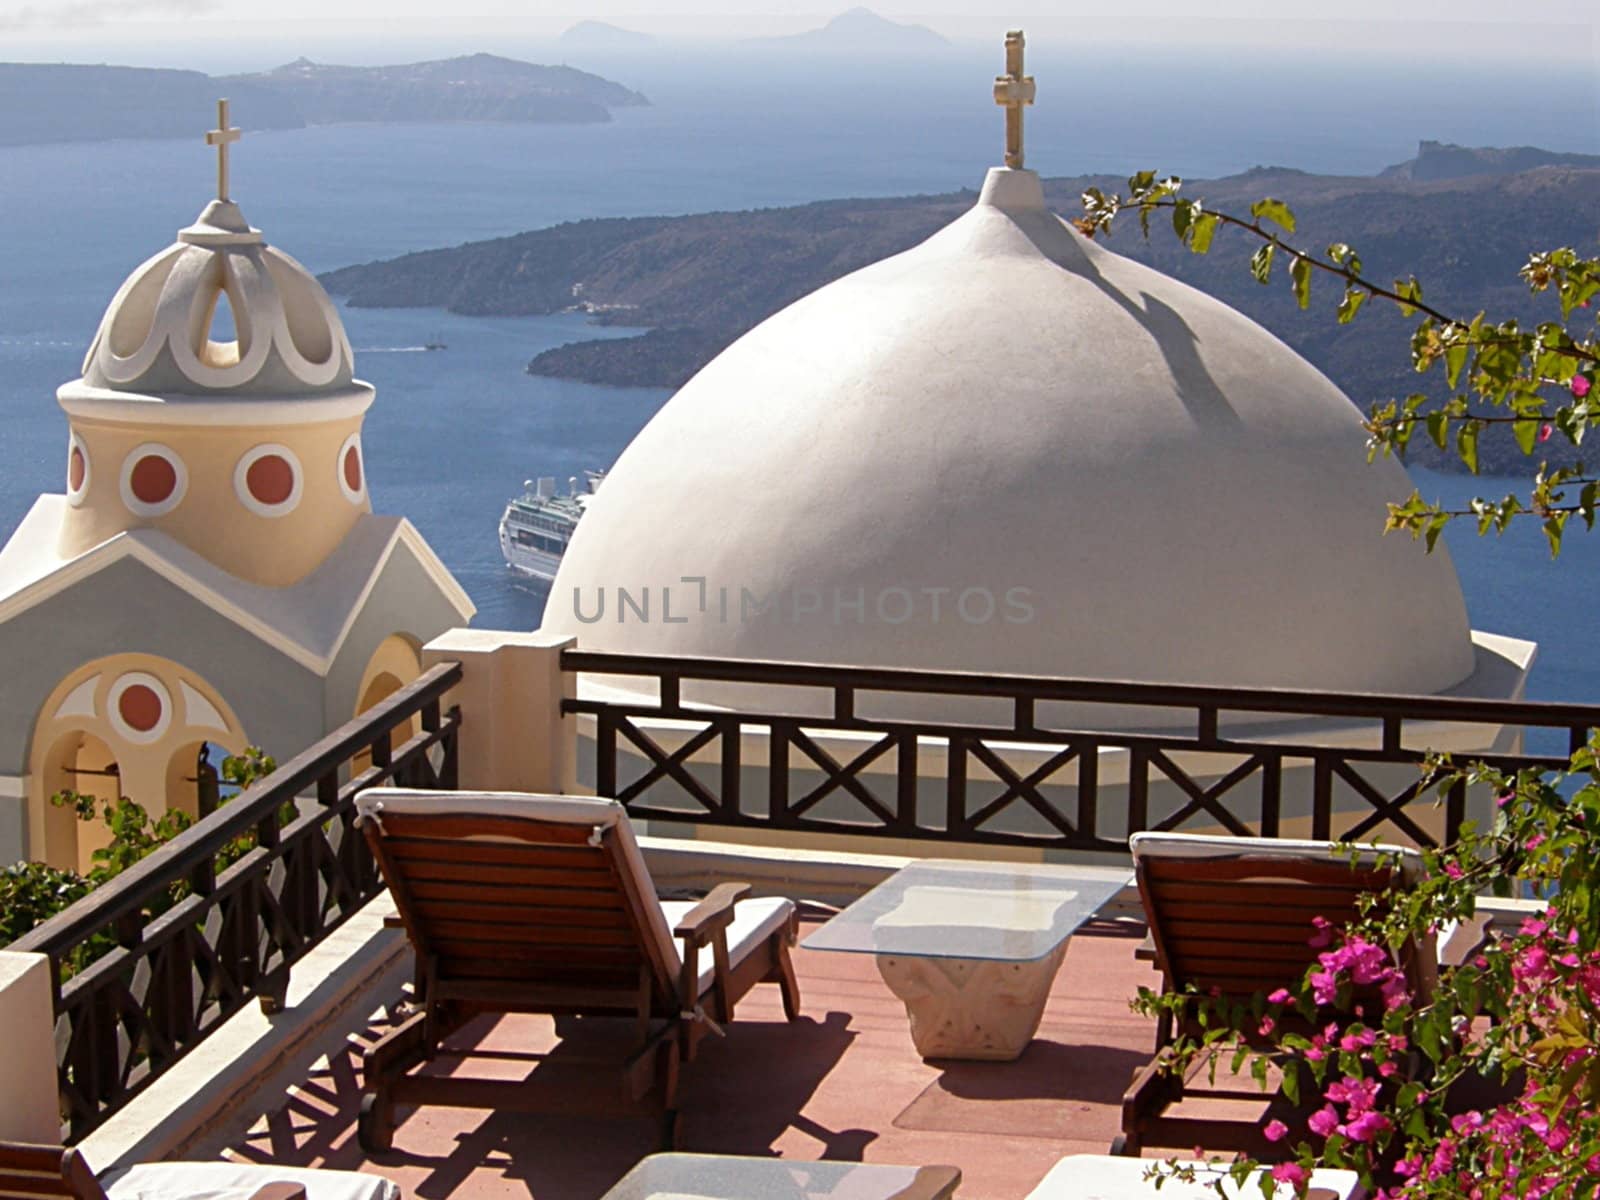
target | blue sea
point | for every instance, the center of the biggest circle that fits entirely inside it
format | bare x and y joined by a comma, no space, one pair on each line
454,433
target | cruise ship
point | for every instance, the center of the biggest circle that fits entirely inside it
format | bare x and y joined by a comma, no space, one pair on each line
536,526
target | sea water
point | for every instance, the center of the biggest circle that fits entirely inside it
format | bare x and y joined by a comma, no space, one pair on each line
455,432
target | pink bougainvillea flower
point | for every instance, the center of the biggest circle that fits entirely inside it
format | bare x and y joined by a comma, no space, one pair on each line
1545,431
1281,996
1366,1126
1395,992
1267,1026
1324,987
1324,1121
1580,386
1291,1173
1357,1040
1275,1131
1454,869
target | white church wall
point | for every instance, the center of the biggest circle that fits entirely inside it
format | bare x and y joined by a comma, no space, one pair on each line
13,818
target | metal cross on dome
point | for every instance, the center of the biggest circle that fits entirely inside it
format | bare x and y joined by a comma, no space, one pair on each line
222,137
1013,90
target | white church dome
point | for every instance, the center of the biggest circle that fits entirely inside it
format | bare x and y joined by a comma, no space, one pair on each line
156,336
1010,449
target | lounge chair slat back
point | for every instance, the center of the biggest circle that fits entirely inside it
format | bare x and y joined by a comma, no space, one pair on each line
522,898
28,1172
543,904
1244,924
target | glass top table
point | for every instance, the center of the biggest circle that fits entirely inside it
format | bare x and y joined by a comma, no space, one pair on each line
972,948
730,1177
945,908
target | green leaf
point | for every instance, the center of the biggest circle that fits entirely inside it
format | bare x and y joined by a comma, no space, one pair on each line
1182,218
1436,525
1203,230
1527,434
1354,298
1455,357
1261,262
1275,211
1554,524
1467,444
1408,290
1300,275
1439,428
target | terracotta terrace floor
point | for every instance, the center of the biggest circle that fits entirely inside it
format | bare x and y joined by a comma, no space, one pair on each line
843,1083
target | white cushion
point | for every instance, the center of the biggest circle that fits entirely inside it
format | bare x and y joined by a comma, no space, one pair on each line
754,921
235,1181
1114,1177
1206,845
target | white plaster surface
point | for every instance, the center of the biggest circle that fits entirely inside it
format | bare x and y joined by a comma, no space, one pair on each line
13,819
1011,406
207,1101
28,1092
307,620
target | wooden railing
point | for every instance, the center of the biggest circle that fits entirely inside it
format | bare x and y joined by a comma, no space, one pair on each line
148,964
1250,740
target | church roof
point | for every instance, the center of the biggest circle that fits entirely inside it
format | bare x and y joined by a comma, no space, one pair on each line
156,337
308,621
1010,449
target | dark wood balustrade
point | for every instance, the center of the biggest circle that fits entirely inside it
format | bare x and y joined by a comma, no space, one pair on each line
137,984
1249,735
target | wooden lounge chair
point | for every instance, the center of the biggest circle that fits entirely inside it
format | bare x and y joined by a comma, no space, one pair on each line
543,904
30,1171
1232,917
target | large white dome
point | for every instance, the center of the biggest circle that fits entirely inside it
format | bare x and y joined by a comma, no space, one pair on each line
1010,449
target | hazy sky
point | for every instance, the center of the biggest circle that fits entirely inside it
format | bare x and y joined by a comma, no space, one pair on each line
225,34
954,18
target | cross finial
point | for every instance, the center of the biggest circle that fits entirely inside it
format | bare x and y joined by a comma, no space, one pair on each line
222,137
1013,90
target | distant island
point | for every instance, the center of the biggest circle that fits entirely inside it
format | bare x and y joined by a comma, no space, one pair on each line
858,31
602,35
696,282
64,103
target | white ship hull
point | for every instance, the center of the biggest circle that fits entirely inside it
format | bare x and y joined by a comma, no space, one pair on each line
536,527
530,563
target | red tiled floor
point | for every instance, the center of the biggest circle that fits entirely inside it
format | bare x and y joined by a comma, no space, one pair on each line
843,1083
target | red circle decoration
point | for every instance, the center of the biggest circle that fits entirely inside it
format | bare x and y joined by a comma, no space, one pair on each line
139,707
153,479
352,469
77,470
270,479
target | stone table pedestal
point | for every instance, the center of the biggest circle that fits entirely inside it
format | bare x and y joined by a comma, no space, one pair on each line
971,1008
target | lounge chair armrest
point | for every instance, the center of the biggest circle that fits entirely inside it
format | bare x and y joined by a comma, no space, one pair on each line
281,1190
711,914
